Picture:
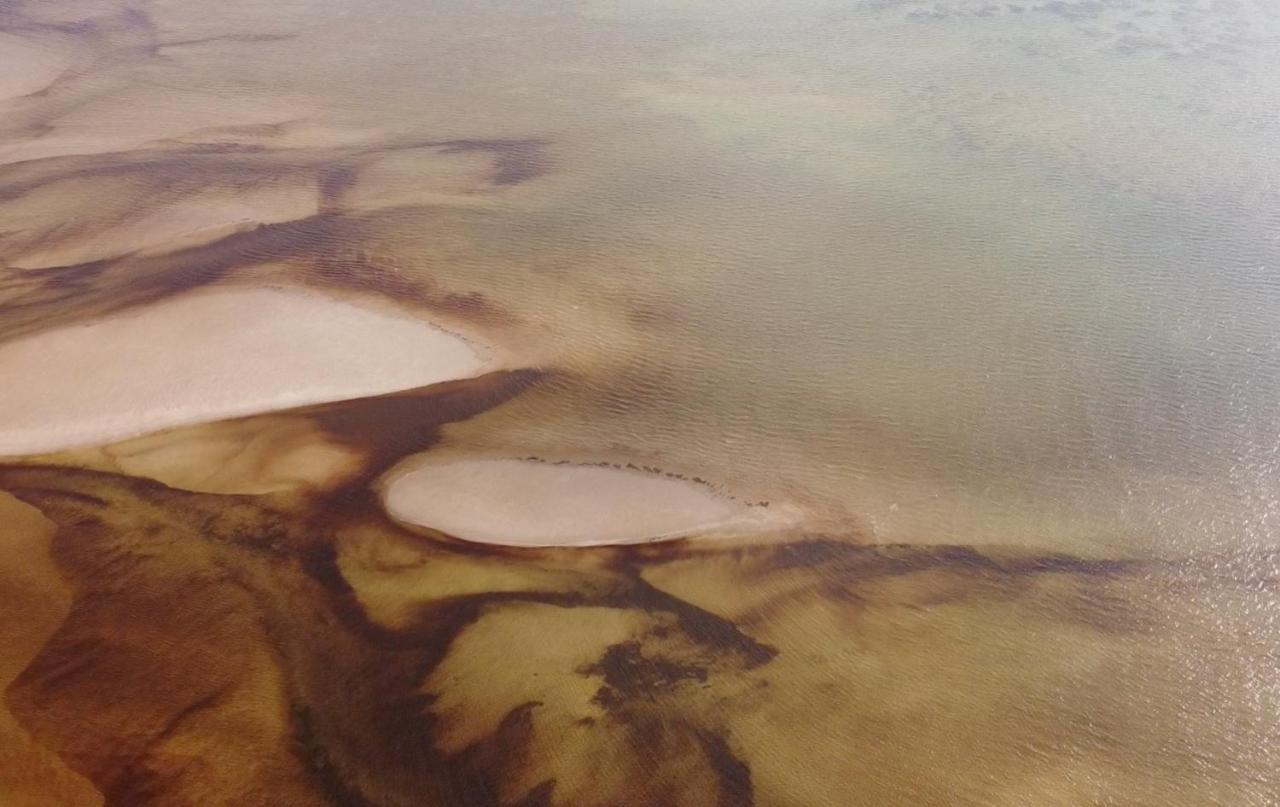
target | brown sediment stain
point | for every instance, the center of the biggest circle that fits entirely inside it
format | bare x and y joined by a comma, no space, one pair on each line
187,606
472,304
178,165
317,448
629,674
316,251
388,428
515,161
158,616
118,36
225,552
240,38
734,774
334,183
321,245
34,601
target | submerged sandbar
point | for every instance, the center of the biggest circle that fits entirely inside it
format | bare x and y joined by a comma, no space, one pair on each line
210,355
177,224
520,502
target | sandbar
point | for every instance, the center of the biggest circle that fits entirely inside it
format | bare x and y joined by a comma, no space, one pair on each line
27,67
520,502
210,355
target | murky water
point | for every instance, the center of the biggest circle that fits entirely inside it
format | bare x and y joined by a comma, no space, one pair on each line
959,271
972,307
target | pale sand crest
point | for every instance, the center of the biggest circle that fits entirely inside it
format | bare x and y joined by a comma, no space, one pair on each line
211,355
529,503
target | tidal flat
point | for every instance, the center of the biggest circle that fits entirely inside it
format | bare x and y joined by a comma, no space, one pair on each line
633,403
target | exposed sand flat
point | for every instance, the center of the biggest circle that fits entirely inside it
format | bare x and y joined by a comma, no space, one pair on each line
528,503
211,355
185,223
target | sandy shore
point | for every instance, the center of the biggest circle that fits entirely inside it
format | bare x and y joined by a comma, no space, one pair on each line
212,355
532,503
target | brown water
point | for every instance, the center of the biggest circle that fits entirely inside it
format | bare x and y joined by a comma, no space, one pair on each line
976,300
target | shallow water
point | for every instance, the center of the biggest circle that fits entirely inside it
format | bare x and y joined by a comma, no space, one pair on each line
977,301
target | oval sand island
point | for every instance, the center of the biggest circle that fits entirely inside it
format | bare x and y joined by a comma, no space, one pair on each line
522,502
213,355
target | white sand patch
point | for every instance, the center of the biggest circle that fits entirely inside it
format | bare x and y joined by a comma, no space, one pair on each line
526,503
212,355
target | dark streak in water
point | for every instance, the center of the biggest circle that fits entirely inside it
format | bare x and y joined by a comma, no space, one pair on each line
703,626
239,38
334,184
735,775
515,161
316,759
390,427
629,674
360,716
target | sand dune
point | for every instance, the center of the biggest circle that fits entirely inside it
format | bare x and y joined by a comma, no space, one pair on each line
530,503
212,355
